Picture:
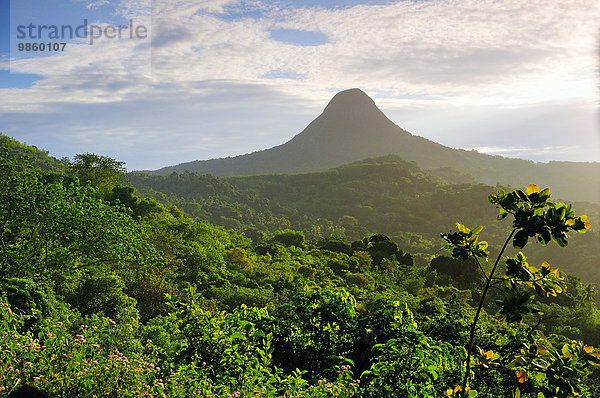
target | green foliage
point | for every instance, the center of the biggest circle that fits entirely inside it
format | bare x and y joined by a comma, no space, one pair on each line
28,299
101,294
48,227
464,243
140,207
112,294
229,344
335,244
533,215
12,148
104,359
101,171
380,247
545,282
558,372
289,238
95,359
412,365
315,331
383,195
464,274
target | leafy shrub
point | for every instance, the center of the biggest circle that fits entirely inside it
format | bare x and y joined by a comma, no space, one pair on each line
315,331
289,238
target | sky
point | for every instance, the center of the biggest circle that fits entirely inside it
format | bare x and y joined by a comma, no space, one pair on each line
200,79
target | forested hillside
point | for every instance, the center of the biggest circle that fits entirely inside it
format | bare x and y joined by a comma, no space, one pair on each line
40,158
382,195
107,292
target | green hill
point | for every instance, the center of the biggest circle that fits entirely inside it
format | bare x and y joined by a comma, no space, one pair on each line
381,195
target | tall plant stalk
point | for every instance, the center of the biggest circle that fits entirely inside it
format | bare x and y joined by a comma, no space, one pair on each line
488,282
534,217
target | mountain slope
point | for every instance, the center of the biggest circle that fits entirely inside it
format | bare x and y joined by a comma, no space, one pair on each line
352,128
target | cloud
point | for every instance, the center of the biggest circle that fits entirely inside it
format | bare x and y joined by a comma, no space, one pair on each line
283,74
91,4
96,4
469,52
175,124
498,52
532,153
216,71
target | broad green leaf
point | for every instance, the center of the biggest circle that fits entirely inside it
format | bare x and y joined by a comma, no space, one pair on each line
502,214
517,363
237,335
462,228
476,230
521,195
520,239
559,238
545,237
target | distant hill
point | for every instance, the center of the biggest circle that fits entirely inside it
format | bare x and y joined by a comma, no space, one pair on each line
352,128
379,195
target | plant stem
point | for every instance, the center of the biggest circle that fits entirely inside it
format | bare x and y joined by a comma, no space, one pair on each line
474,324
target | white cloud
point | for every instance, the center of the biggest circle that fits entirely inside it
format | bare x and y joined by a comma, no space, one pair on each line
91,4
470,52
497,52
422,57
533,153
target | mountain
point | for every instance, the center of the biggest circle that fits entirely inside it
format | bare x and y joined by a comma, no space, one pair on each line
352,128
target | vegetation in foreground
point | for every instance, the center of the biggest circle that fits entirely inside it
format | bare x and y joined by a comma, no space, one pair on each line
106,294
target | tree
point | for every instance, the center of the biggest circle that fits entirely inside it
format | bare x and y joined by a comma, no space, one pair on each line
533,217
314,331
379,247
102,172
335,244
50,227
289,238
